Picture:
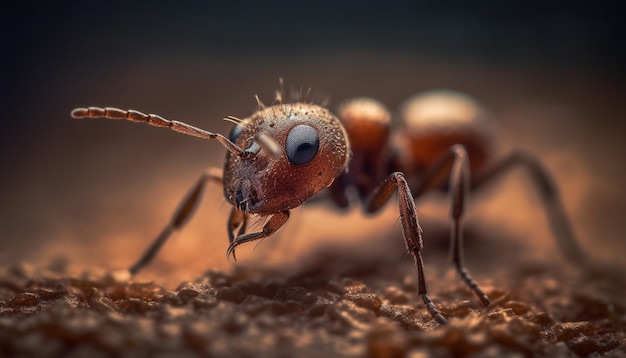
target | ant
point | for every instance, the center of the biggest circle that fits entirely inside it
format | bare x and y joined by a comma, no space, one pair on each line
287,153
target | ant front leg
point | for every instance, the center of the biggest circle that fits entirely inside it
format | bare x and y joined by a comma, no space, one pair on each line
455,160
237,219
181,216
271,226
410,228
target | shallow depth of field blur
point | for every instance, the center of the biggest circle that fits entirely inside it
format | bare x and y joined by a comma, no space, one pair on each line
96,192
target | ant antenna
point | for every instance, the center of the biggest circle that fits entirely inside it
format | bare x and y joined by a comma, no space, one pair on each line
158,121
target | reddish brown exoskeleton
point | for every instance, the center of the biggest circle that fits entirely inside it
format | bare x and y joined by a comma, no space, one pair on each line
284,154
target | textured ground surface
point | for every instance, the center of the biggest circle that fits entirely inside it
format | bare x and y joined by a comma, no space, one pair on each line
537,310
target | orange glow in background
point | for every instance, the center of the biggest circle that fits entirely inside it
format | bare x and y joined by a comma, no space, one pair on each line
98,191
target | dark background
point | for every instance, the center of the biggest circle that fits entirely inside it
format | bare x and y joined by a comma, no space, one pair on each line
96,191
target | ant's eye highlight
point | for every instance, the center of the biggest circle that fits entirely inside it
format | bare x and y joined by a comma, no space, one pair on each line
235,132
302,144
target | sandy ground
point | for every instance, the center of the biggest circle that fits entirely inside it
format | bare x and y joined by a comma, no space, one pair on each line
336,304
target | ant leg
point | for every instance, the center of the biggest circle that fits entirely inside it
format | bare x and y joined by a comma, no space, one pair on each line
456,161
410,227
548,190
237,219
181,216
271,226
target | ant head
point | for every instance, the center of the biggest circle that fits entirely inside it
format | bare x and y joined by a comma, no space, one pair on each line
294,151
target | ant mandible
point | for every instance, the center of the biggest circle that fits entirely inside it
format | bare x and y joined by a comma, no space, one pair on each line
285,154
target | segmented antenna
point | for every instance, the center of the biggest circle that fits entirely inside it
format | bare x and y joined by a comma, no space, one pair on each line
158,121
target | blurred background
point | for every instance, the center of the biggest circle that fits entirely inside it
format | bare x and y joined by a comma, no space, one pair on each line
96,192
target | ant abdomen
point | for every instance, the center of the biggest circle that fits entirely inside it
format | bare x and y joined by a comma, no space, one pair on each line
436,120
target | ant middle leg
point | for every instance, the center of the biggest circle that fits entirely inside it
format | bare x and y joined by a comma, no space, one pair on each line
456,161
181,216
412,231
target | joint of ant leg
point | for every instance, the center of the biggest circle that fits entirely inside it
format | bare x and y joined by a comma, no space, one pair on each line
414,243
418,245
459,150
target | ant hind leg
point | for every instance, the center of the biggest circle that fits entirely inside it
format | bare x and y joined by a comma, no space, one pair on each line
549,193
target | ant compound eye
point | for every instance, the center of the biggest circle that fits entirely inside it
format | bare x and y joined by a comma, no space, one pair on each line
235,132
302,144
